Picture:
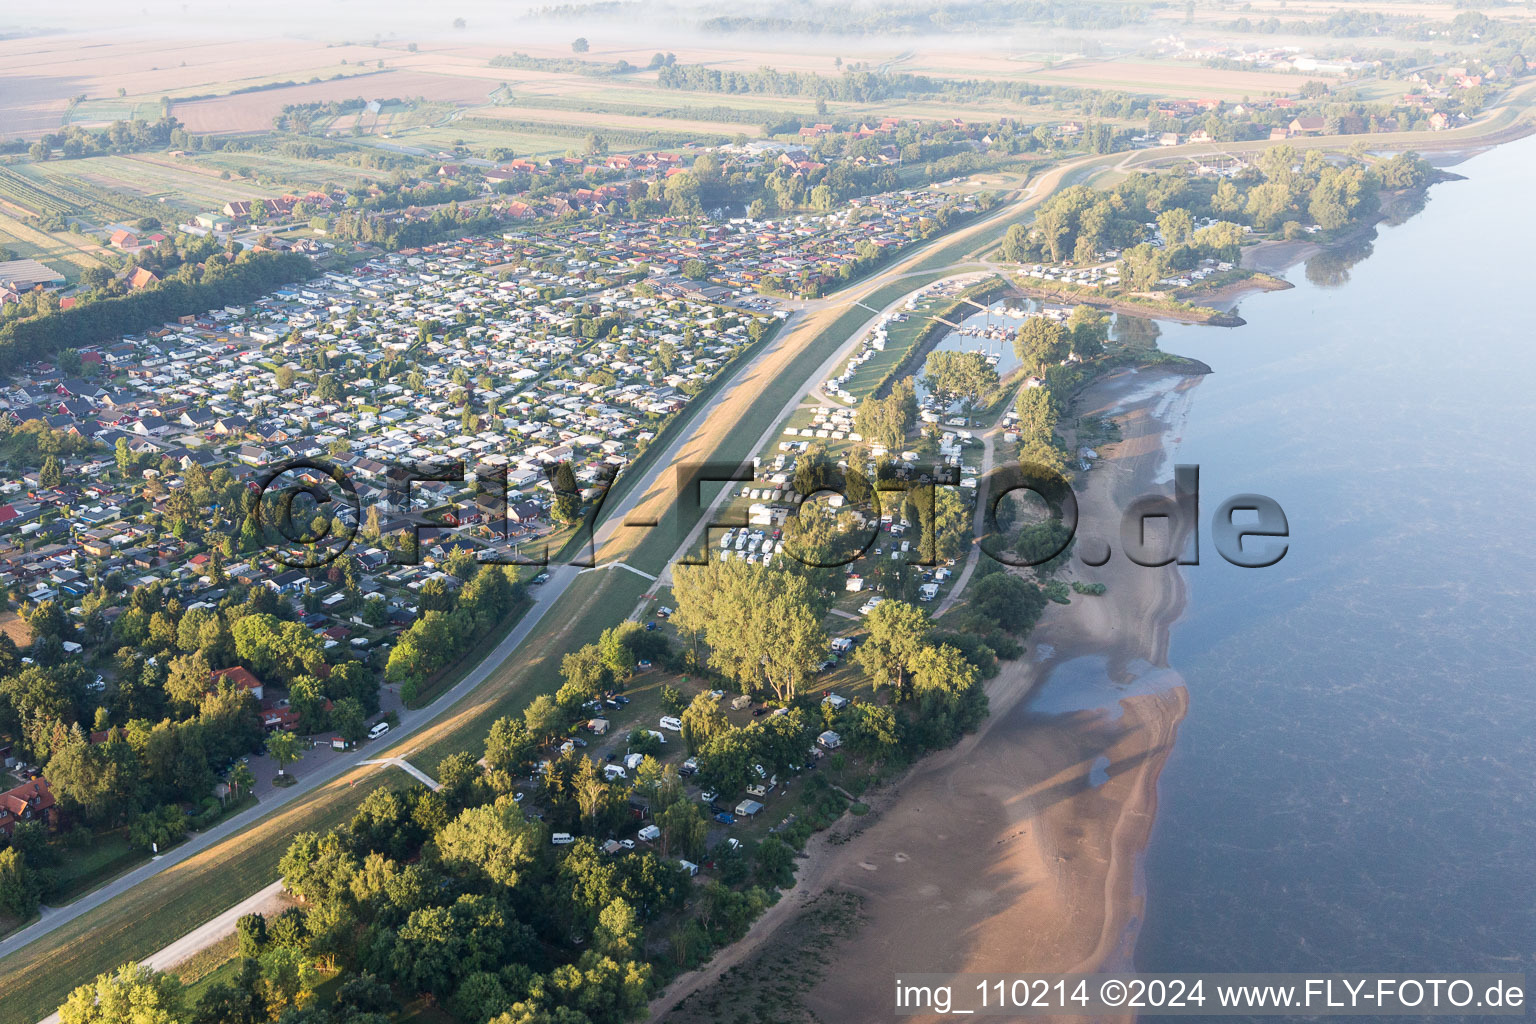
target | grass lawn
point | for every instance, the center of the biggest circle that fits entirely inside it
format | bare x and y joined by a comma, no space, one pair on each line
105,856
216,965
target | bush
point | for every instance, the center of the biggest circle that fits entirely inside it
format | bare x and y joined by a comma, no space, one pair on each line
642,742
673,699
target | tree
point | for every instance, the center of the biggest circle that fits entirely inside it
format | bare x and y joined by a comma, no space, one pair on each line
682,194
134,994
509,746
1006,601
1041,342
125,457
683,829
964,376
19,889
1016,244
283,748
270,646
495,842
898,631
1088,329
725,763
51,475
580,45
614,648
761,624
543,717
703,720
1037,415
188,680
1176,226
617,934
241,778
251,932
887,421
349,719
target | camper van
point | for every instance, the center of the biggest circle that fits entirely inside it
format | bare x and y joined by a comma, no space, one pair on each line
928,591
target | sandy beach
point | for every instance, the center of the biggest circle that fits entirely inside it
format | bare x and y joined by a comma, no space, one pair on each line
1016,850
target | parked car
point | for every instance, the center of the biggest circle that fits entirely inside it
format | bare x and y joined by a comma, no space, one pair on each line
709,796
725,818
542,577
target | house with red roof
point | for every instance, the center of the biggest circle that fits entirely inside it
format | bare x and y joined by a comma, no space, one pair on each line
242,679
30,801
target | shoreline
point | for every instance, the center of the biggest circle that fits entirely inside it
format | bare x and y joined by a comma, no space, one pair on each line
1206,316
1004,841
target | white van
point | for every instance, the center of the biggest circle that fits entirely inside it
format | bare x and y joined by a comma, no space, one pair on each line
378,730
562,839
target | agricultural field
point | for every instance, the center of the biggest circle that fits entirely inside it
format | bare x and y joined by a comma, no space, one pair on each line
268,171
442,138
42,73
254,111
68,257
1184,80
73,191
103,111
633,122
95,181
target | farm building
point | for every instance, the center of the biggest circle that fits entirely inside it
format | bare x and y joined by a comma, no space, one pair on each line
24,275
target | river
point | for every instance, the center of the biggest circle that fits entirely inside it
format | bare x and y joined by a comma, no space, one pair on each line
1354,783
